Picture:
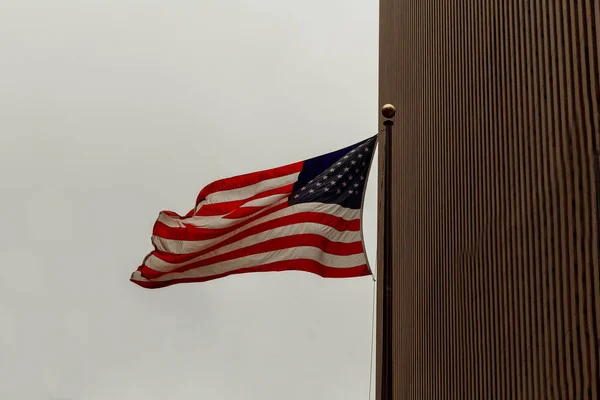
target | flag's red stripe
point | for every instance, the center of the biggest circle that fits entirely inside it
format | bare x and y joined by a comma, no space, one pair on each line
252,178
287,265
226,207
175,215
337,223
190,232
286,242
333,221
243,212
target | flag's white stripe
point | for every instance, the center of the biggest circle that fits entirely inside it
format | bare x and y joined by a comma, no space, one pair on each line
305,253
175,222
251,190
265,201
186,247
207,221
289,230
213,222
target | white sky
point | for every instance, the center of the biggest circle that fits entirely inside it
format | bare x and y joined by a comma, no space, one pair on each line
112,110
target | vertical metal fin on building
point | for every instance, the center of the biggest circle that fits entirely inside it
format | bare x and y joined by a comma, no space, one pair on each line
496,197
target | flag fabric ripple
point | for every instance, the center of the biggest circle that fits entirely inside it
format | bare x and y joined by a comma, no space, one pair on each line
304,216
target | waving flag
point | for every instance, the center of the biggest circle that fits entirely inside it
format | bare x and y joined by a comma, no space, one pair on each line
304,216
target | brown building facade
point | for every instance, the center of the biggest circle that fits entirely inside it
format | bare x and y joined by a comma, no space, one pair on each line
496,282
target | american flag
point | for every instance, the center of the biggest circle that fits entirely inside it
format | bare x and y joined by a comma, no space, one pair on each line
304,216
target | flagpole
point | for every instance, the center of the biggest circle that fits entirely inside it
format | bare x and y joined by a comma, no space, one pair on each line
388,111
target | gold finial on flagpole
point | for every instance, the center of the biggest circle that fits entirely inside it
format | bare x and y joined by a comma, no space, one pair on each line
388,111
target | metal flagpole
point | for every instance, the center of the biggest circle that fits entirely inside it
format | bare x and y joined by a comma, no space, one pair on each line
388,111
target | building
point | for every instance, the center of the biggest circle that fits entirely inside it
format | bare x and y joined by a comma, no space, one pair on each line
496,287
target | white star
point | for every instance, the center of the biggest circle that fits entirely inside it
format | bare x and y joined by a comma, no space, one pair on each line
339,163
325,177
366,149
340,176
350,191
318,183
360,156
311,191
353,162
326,189
346,156
332,170
344,183
362,178
357,170
332,182
353,150
364,163
346,169
339,191
356,185
350,177
296,196
304,188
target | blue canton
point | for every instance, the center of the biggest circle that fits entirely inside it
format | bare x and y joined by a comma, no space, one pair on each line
338,177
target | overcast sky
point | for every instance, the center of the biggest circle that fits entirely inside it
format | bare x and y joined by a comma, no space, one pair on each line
112,110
